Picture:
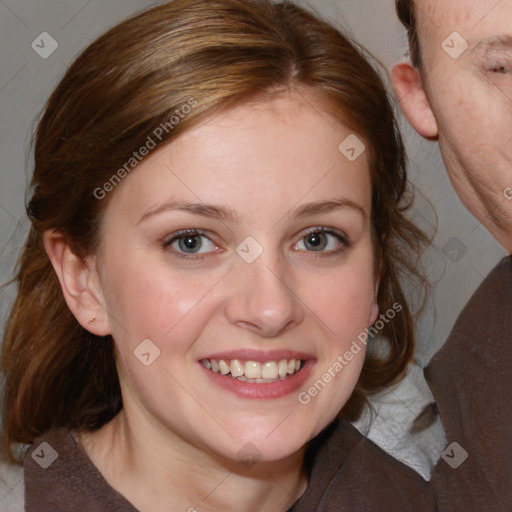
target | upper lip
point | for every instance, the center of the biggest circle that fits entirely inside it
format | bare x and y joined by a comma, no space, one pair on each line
258,355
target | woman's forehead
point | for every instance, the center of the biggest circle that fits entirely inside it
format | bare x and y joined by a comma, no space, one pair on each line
269,151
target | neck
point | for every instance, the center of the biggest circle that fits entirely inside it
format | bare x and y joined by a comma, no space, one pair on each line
155,469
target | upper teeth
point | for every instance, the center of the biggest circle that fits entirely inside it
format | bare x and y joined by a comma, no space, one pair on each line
254,369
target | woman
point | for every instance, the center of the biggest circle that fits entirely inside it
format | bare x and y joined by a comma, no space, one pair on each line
217,237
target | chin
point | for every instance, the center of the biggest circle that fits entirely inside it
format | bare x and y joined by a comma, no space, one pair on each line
276,442
251,454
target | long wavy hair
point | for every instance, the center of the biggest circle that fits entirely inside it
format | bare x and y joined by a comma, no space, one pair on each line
131,80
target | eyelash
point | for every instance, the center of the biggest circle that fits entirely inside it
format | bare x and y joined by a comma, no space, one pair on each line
499,69
341,237
167,243
497,65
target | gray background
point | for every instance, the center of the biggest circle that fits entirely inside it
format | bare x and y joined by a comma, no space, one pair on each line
463,251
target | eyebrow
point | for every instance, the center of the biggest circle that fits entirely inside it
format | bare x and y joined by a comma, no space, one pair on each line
503,42
222,213
315,208
202,209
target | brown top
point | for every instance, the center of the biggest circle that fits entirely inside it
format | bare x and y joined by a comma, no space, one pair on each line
471,379
71,482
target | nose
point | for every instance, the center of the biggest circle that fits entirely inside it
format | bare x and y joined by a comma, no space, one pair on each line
261,300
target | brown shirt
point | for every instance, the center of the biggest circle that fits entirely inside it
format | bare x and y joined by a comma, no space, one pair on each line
71,483
471,379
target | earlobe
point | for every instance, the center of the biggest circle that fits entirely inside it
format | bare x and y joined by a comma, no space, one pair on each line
374,313
374,308
413,100
79,284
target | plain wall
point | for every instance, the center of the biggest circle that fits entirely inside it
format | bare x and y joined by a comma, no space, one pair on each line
463,252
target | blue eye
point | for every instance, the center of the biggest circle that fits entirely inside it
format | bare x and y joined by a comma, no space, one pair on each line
322,240
190,242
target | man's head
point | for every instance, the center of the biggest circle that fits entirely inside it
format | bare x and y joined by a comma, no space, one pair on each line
406,13
457,89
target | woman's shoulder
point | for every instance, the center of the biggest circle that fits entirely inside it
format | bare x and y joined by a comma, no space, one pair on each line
349,472
59,476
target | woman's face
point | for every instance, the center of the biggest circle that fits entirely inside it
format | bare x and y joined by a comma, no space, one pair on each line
242,251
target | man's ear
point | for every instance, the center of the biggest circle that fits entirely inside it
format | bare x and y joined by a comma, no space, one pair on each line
413,100
80,284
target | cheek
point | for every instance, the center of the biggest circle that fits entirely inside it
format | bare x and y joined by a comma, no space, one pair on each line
468,108
471,130
146,300
344,302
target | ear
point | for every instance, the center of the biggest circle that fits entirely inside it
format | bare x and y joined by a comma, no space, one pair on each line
374,313
374,308
80,284
413,100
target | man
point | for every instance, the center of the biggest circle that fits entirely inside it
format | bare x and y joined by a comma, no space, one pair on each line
457,89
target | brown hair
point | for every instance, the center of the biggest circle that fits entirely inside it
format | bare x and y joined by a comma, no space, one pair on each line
131,80
407,14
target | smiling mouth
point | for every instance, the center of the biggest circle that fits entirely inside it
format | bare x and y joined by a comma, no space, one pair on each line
255,372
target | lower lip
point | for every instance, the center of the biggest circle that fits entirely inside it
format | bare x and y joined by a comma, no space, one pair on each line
278,389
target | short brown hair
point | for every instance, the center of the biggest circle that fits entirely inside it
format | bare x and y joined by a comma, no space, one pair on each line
130,80
407,15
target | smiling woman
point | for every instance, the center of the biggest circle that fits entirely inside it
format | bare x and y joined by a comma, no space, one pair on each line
164,332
